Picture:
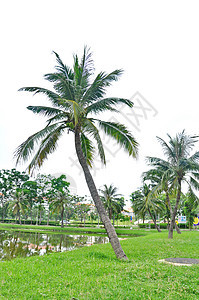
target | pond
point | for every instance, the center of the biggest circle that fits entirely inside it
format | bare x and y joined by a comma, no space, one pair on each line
22,244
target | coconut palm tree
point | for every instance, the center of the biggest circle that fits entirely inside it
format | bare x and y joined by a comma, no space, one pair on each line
59,203
162,182
18,203
144,201
76,100
179,167
111,199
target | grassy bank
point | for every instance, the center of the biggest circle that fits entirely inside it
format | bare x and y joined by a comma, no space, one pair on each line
94,272
73,230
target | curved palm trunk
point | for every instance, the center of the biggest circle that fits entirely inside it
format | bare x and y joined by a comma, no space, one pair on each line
171,213
98,203
174,213
154,220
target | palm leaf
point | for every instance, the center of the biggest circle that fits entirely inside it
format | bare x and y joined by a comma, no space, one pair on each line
53,97
90,128
120,133
47,146
63,86
87,148
106,104
24,150
97,89
45,111
62,68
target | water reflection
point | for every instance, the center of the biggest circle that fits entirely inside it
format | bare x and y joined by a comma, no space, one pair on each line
22,244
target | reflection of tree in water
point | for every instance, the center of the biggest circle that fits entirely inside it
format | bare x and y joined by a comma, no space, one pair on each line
12,246
22,244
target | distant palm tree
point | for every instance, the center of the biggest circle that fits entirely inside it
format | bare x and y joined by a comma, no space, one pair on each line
110,198
59,203
143,202
18,203
179,167
75,98
162,182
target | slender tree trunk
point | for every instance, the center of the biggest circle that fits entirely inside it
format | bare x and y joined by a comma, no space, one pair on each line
98,203
66,217
48,217
62,217
171,213
2,203
113,220
40,218
154,220
84,219
172,224
31,215
19,217
37,217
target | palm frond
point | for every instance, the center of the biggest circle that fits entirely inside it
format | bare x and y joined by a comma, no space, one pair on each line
97,89
106,104
45,111
62,86
168,151
120,133
65,117
194,183
88,149
47,146
158,162
23,152
84,69
53,97
62,68
91,129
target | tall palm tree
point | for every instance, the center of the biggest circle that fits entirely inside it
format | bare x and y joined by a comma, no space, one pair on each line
179,167
111,199
74,102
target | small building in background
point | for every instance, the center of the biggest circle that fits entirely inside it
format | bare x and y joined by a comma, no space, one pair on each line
128,212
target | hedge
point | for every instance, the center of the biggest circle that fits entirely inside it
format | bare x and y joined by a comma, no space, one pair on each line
162,226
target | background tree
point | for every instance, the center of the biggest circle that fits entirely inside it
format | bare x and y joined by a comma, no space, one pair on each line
43,187
111,200
75,99
146,202
31,194
136,199
59,195
18,203
180,167
10,180
190,205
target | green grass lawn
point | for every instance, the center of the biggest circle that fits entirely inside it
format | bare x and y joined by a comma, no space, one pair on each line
94,272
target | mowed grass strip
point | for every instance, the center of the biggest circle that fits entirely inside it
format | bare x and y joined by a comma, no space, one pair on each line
94,272
73,230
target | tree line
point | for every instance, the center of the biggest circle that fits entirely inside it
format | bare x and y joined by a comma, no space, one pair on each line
46,198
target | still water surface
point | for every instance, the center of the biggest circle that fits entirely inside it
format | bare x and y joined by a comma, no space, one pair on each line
23,244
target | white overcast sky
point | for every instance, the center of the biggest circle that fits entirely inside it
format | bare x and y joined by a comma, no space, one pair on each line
155,42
